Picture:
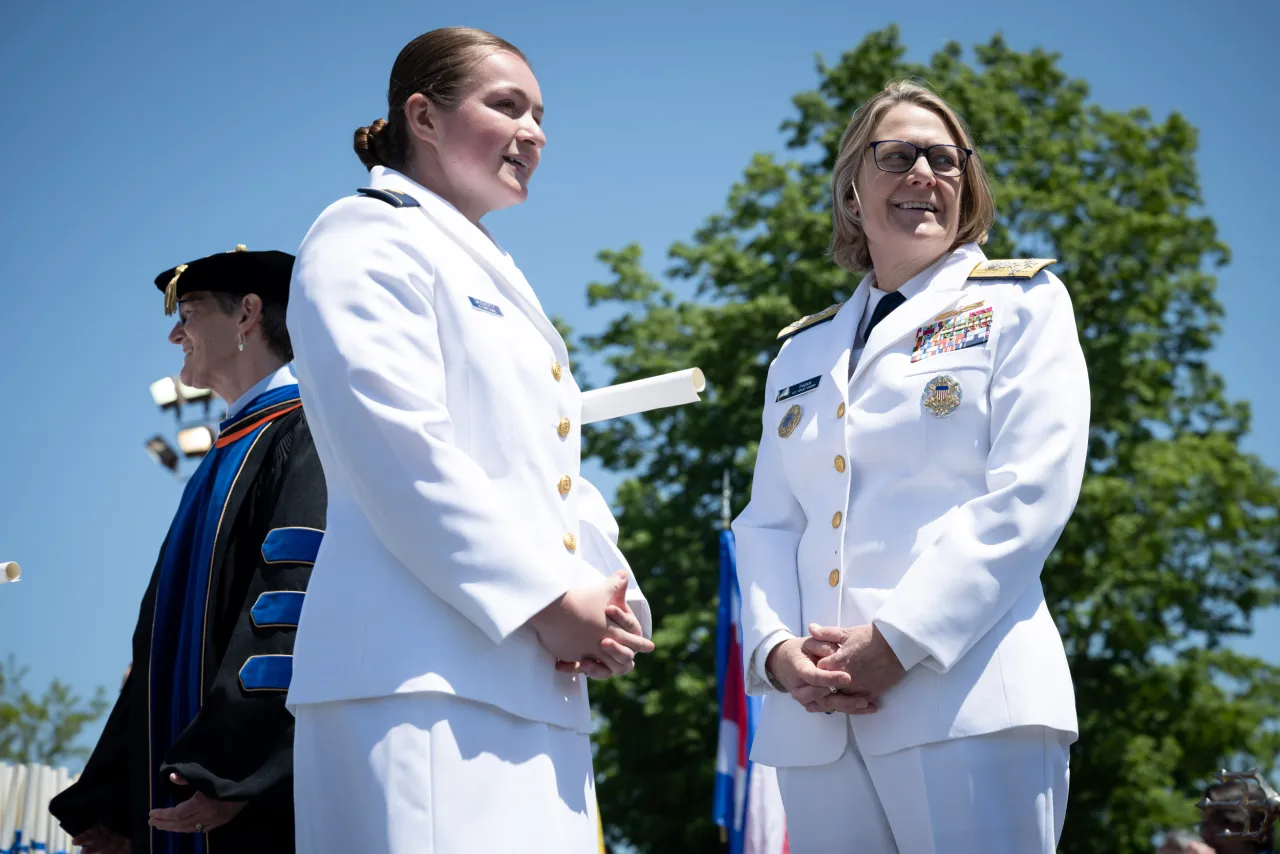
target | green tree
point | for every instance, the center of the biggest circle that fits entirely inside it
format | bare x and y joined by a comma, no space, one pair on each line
1174,542
43,729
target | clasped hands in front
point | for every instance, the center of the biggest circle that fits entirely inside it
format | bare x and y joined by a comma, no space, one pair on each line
857,663
592,630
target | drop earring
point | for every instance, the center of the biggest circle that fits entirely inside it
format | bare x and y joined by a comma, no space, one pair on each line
240,342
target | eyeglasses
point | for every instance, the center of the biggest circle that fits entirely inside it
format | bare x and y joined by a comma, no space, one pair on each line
895,155
182,318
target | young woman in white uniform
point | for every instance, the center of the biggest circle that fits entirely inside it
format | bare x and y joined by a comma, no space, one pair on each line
923,447
457,604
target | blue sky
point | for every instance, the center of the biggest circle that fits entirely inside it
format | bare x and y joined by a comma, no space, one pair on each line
139,135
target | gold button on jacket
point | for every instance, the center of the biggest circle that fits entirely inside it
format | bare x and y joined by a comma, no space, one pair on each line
566,483
563,427
839,463
570,542
556,370
840,411
834,578
836,519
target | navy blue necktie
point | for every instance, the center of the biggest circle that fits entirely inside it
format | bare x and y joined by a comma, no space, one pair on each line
883,309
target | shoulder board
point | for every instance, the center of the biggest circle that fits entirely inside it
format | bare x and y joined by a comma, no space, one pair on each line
811,320
391,197
1011,268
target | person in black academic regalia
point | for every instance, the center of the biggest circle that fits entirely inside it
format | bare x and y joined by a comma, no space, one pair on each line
197,755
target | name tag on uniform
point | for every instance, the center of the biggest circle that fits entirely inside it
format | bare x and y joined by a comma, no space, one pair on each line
798,389
957,332
486,307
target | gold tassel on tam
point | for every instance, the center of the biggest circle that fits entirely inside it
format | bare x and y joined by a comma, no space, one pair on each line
171,291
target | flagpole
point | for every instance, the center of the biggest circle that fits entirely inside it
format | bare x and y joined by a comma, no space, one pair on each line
748,806
726,501
726,519
726,495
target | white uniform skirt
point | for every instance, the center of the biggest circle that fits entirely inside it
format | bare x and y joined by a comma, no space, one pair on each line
435,774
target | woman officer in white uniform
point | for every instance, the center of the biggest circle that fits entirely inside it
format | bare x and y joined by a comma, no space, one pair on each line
923,447
455,607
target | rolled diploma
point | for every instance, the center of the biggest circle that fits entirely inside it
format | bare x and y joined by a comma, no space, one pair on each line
664,390
10,810
29,802
9,571
40,827
59,842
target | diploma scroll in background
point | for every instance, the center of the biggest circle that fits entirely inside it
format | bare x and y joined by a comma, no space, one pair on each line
617,401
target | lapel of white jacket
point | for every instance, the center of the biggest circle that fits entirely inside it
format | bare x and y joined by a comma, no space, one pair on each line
838,337
946,279
482,249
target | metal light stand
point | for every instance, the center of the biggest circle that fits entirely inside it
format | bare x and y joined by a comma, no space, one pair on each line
170,393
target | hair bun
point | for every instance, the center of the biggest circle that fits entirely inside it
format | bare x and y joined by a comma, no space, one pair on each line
370,144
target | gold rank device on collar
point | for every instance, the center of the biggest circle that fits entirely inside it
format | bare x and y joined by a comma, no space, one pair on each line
811,320
999,268
1011,268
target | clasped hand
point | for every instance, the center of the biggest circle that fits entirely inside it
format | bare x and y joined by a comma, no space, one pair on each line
857,663
592,630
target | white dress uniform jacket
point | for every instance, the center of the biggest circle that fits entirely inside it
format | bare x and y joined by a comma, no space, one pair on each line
935,527
447,421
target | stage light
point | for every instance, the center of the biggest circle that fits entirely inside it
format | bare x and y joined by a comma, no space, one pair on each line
192,395
163,453
165,393
196,441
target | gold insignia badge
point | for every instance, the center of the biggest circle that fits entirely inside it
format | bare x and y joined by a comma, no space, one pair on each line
789,422
942,395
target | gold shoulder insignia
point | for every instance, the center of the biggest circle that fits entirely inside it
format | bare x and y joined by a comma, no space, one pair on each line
1011,268
810,320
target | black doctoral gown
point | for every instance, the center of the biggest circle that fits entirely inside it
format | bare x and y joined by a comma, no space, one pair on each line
261,512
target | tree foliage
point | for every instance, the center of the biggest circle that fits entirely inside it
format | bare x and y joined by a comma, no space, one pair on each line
1174,543
43,729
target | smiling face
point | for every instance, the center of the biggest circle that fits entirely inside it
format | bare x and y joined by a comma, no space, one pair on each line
487,147
208,338
911,214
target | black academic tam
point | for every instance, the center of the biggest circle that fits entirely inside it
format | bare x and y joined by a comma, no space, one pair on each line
239,272
239,747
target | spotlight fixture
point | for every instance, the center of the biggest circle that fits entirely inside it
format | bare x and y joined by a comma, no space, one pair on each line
163,453
196,441
165,393
192,395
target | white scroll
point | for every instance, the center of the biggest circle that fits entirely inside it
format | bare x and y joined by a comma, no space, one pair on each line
9,571
11,804
664,390
25,822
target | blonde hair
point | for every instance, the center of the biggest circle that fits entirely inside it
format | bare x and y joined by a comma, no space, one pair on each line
848,239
